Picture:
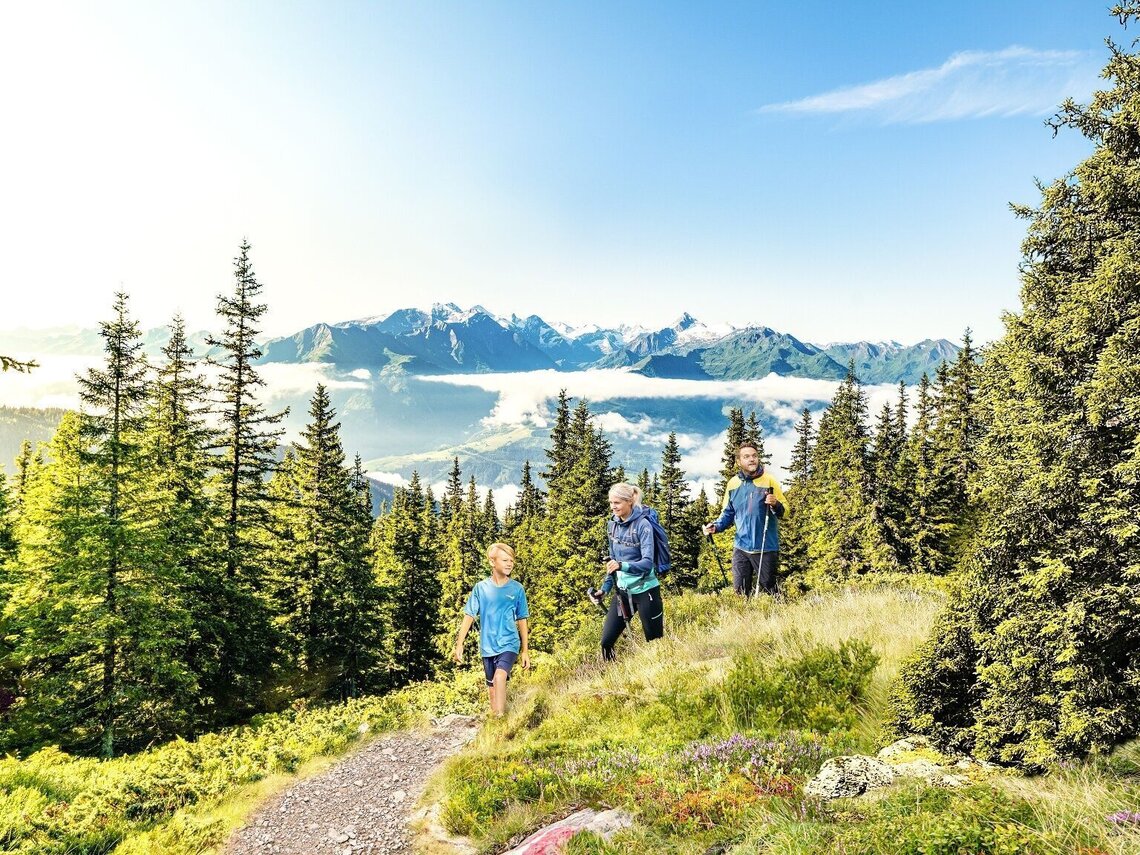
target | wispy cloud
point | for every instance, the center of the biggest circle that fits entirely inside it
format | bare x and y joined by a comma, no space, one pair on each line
969,85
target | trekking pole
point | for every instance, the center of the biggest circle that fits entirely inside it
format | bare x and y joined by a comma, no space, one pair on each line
719,563
763,543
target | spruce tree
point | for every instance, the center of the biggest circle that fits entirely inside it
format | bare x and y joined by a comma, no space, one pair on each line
570,557
96,617
7,524
406,549
452,495
26,466
177,438
755,434
558,459
841,536
932,514
1037,658
247,447
673,492
793,528
328,605
465,537
531,499
891,505
733,439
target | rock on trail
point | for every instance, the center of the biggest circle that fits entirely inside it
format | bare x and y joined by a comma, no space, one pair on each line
359,805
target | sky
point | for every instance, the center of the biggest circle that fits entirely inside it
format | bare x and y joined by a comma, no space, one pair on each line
839,173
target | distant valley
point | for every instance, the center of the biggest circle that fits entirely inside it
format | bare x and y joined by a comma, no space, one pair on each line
415,388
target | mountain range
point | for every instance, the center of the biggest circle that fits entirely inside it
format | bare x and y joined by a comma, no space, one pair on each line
449,340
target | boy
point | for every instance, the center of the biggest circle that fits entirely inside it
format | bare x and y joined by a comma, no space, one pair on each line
500,605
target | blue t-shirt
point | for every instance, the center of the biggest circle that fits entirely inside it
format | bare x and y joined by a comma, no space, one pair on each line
497,610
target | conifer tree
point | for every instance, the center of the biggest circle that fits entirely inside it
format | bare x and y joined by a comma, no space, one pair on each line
733,439
575,534
673,492
890,503
931,520
7,525
1037,658
177,440
26,465
247,444
531,499
704,573
793,542
842,539
643,481
97,631
755,434
328,605
558,459
405,541
452,495
462,564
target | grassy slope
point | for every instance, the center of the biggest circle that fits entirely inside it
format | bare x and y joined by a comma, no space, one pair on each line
633,734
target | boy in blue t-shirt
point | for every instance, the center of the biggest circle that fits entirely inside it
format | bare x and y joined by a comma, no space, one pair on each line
499,603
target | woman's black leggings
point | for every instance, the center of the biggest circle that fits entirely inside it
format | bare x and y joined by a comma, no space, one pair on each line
649,608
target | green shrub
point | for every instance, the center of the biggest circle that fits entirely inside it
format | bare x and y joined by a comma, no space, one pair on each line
819,691
925,821
479,789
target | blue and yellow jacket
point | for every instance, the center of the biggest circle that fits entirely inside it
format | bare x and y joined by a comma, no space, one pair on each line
744,505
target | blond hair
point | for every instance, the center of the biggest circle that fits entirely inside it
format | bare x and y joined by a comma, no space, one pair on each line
629,492
495,547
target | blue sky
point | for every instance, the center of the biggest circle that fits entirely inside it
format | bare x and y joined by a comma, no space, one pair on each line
839,172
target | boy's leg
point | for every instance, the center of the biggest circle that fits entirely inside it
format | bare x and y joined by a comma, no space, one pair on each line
741,572
499,692
489,674
502,664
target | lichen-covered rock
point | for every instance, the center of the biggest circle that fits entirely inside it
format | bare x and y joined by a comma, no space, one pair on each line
908,745
929,772
843,777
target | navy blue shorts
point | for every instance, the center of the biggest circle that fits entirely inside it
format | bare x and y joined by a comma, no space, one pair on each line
505,660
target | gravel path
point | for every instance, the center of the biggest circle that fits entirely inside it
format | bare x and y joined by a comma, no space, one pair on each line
361,804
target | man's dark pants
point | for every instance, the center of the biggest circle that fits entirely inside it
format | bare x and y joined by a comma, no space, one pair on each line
745,566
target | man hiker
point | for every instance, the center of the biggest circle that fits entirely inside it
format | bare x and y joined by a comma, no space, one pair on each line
753,502
499,603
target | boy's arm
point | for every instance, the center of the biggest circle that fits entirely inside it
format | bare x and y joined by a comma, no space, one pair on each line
463,630
524,654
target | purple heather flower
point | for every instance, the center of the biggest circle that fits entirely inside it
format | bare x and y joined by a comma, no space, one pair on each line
1124,817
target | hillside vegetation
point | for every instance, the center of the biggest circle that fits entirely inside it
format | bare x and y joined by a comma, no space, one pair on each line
708,737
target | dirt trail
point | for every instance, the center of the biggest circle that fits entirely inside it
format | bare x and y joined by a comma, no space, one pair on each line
359,805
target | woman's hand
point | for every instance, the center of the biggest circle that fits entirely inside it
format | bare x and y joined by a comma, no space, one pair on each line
612,565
